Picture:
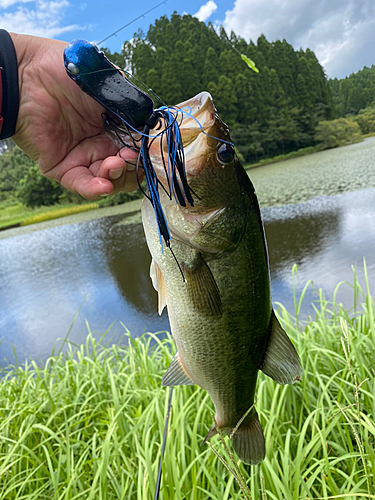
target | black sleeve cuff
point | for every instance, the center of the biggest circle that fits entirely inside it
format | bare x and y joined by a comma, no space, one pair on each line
9,76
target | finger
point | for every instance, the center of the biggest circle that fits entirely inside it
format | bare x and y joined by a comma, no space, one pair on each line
121,171
82,181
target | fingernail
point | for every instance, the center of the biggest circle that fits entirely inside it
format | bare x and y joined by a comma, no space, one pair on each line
130,167
116,173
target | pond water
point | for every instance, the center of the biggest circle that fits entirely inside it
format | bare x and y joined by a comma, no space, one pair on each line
98,270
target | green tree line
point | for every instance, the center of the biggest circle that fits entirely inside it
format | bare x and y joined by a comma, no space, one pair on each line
288,105
271,112
354,93
22,182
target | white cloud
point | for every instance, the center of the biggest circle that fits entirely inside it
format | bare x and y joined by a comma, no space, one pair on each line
7,3
44,19
340,32
206,10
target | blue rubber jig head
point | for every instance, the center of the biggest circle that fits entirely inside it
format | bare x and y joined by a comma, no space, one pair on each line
130,110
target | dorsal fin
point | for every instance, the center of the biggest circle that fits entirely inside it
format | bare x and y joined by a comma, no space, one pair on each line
281,361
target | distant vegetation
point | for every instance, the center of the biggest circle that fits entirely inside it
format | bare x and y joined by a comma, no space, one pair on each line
287,109
271,112
23,189
354,93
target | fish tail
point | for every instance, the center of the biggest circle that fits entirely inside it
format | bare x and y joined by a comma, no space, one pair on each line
248,440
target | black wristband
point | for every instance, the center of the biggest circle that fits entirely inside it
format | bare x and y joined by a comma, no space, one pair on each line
9,76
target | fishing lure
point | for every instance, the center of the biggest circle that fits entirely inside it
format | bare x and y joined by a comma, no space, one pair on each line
130,111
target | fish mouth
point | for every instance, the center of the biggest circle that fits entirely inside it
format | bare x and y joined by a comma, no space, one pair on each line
198,120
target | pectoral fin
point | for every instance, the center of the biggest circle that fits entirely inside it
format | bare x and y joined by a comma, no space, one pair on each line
281,361
176,374
159,285
202,287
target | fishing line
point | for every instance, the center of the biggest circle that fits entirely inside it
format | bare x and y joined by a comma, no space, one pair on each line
158,481
133,21
189,113
244,57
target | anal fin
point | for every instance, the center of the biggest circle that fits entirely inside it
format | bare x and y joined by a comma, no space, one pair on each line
211,433
176,374
281,361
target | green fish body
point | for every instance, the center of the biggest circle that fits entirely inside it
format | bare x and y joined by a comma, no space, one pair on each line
221,314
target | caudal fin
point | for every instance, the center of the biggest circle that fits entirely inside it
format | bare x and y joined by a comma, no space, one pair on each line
248,441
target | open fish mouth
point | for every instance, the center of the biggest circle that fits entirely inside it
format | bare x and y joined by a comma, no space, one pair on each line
200,129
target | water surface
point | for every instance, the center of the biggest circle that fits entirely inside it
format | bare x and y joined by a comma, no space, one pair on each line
100,267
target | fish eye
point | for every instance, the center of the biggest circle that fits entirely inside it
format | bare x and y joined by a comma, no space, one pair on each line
72,68
225,153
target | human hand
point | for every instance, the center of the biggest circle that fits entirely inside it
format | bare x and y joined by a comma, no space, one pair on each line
61,128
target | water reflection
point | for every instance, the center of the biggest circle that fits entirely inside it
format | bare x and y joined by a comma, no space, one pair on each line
325,237
129,261
300,234
102,266
46,277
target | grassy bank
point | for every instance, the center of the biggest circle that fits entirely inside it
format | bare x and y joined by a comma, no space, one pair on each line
88,424
21,215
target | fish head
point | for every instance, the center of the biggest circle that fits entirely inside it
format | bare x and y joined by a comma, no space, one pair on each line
214,176
210,159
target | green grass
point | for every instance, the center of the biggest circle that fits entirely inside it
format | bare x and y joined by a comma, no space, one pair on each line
19,214
88,424
58,212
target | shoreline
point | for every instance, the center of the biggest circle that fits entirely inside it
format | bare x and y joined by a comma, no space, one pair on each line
52,216
128,209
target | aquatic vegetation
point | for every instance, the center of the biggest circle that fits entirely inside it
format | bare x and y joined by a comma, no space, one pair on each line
88,423
326,173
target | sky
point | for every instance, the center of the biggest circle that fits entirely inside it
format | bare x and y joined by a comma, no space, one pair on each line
340,32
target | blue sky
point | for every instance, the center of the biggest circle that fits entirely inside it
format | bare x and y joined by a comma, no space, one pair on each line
340,32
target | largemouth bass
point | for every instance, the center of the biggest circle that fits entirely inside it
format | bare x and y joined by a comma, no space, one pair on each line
220,311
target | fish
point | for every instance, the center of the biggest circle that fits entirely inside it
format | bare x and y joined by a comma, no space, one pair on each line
214,277
218,298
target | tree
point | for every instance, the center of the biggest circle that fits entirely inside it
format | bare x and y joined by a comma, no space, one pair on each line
36,190
225,98
335,133
14,165
366,120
